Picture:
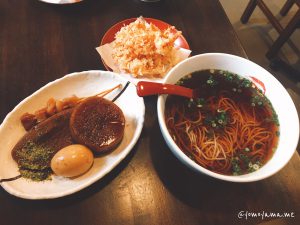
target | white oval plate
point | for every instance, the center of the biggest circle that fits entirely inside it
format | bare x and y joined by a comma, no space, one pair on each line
81,84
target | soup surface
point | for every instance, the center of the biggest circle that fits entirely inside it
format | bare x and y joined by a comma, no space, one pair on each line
230,129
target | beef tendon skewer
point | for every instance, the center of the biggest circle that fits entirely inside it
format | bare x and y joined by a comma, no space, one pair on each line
29,120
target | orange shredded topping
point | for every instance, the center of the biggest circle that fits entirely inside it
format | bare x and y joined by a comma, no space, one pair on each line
142,49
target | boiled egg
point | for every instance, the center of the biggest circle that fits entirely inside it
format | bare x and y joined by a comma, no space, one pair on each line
72,161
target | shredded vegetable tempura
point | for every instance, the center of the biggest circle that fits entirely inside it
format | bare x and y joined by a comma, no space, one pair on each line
142,49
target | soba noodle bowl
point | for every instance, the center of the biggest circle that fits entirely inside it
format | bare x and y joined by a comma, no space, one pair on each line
230,129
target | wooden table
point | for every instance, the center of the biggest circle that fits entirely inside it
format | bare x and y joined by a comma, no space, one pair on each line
41,42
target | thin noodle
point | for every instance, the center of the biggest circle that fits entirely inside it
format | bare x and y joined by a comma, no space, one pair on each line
215,149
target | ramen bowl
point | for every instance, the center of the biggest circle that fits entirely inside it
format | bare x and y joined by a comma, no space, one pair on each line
266,83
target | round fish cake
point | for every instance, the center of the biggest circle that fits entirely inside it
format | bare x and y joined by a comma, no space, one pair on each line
98,124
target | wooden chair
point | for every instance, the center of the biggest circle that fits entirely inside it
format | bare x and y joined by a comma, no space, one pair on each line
284,33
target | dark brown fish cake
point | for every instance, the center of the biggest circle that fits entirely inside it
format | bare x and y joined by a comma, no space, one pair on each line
98,124
49,135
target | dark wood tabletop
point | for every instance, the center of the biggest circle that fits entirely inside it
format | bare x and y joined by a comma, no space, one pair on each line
41,42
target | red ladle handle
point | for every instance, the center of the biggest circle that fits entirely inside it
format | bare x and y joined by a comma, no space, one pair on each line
145,88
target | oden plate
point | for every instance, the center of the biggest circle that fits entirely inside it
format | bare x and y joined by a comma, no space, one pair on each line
81,84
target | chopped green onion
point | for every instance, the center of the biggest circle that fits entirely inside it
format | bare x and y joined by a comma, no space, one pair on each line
255,166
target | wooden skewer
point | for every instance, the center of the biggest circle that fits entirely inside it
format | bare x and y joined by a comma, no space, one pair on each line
10,179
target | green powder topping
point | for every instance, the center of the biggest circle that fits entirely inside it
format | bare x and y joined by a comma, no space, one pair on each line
34,161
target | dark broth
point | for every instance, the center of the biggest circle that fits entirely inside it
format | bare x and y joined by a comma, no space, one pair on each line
230,129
